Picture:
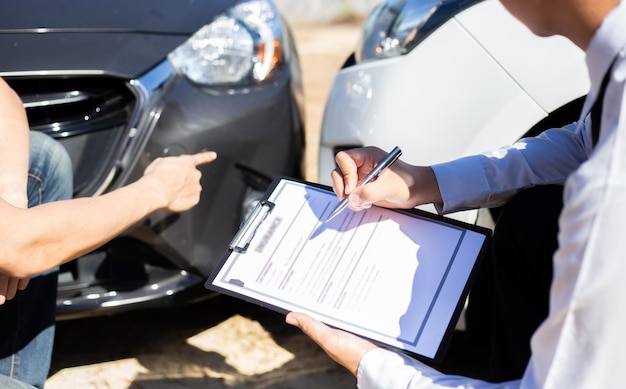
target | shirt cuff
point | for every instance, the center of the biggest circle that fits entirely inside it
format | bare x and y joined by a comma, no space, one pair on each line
384,369
462,184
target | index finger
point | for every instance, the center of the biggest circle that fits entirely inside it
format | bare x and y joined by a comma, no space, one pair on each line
204,157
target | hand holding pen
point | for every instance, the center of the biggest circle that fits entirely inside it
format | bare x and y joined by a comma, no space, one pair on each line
373,175
401,186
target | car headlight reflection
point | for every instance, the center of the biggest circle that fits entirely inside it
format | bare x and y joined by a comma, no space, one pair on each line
244,45
395,27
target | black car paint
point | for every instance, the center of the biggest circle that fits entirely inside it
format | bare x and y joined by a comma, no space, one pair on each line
253,128
118,37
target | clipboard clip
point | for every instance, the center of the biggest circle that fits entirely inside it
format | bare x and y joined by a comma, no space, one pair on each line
242,239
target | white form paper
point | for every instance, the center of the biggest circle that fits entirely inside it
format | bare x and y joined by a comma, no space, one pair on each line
393,277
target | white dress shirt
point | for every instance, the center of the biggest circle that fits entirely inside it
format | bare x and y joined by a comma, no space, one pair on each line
582,342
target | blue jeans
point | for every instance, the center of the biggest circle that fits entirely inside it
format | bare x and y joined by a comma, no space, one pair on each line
27,322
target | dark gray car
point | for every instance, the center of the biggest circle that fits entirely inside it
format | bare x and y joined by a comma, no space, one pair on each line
120,83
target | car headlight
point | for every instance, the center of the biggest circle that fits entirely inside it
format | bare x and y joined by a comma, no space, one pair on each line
395,27
243,45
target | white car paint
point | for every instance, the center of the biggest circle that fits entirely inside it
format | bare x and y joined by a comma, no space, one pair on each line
479,81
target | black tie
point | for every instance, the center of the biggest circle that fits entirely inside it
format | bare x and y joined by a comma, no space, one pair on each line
596,109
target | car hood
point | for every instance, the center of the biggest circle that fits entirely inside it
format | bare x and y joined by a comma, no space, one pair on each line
118,37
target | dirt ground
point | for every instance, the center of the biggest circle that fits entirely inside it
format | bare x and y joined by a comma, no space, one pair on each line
323,49
222,342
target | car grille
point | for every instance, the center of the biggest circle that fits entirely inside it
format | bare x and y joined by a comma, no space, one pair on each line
89,115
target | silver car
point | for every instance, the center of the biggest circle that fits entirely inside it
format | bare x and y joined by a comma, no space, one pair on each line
443,79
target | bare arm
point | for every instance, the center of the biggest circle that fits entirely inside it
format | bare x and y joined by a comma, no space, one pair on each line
58,232
14,156
14,147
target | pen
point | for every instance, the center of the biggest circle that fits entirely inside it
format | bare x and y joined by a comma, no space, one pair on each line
377,171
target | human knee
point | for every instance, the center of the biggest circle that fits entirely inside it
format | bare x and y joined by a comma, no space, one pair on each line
51,165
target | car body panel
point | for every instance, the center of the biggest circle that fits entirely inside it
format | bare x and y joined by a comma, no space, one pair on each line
244,130
138,15
116,37
533,59
100,53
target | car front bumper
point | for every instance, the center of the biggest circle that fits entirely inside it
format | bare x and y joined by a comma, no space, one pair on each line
257,133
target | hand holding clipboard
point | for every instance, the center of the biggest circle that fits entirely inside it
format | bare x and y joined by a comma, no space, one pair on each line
286,258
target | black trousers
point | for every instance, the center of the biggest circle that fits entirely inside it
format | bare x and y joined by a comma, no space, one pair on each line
510,297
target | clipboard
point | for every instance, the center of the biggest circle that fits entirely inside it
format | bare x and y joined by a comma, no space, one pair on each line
396,277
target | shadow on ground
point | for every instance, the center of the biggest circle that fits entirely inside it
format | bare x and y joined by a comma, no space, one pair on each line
159,341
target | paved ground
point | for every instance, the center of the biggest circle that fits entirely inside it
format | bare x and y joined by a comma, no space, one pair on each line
220,343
